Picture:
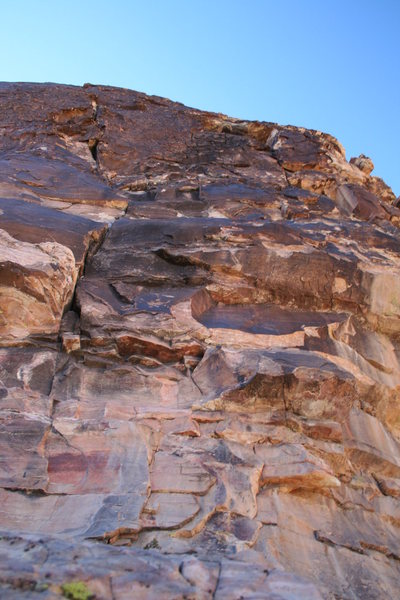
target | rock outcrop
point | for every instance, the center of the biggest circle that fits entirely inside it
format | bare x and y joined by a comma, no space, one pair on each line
199,362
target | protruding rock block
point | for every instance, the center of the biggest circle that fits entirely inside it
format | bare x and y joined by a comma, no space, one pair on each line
370,445
292,467
37,285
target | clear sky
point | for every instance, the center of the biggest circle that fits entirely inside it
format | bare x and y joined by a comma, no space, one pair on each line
332,65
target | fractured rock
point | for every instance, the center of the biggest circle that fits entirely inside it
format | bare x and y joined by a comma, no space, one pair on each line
199,362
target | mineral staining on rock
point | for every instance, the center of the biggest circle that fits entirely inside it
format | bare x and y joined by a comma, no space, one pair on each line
199,362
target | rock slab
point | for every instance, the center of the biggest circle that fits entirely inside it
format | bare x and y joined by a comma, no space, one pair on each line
199,361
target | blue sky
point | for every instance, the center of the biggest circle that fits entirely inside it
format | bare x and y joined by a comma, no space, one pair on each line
328,65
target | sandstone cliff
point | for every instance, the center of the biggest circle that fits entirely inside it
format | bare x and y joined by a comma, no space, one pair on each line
199,362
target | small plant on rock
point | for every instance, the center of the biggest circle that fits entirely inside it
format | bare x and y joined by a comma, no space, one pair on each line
153,544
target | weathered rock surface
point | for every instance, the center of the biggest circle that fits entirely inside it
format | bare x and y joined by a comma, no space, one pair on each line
199,362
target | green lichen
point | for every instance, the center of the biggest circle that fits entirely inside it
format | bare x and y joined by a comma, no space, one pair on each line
76,590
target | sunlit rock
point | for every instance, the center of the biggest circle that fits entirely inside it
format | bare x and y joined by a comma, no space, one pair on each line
199,362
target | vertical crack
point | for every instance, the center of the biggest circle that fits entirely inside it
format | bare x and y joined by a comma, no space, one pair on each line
93,143
218,580
284,398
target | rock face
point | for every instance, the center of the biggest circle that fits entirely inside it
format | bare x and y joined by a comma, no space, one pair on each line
199,362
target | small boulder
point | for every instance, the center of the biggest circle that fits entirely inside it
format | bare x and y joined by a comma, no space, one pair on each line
364,163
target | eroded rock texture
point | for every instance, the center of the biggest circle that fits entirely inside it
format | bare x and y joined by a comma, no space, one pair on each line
200,324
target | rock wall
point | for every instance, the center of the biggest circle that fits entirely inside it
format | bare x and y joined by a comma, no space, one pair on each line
199,362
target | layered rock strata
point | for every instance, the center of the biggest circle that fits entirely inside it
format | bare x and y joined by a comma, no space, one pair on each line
199,362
